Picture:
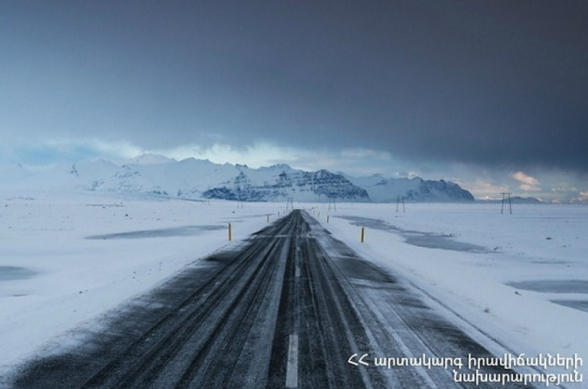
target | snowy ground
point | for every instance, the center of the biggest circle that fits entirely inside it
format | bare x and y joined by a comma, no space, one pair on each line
65,259
521,278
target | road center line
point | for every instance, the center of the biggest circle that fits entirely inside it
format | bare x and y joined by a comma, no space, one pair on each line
292,368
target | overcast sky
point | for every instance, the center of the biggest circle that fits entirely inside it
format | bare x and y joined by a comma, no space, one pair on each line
491,94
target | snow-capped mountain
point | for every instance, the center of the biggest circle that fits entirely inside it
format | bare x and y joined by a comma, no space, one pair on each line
514,200
201,179
384,190
280,182
150,159
12,172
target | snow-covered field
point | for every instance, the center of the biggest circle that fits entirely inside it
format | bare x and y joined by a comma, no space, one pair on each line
62,263
520,278
66,258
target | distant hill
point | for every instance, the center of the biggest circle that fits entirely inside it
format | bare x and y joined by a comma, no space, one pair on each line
517,200
201,179
11,172
385,190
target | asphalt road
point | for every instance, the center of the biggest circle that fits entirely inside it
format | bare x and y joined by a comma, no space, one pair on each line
287,310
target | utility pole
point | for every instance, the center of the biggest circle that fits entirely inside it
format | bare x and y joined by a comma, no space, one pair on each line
289,203
506,197
333,201
400,200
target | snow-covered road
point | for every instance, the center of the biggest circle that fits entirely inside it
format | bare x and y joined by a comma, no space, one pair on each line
519,280
290,309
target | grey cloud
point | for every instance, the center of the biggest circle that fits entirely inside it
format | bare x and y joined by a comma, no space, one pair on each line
490,84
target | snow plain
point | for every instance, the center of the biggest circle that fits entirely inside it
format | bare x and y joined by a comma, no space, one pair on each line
516,282
66,259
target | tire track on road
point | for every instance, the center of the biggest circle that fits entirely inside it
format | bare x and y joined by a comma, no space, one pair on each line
285,311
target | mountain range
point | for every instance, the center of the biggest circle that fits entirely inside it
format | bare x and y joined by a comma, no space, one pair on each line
201,179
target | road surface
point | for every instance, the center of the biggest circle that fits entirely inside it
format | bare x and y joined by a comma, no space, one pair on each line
292,308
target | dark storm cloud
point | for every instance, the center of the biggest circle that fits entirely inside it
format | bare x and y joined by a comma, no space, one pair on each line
489,83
